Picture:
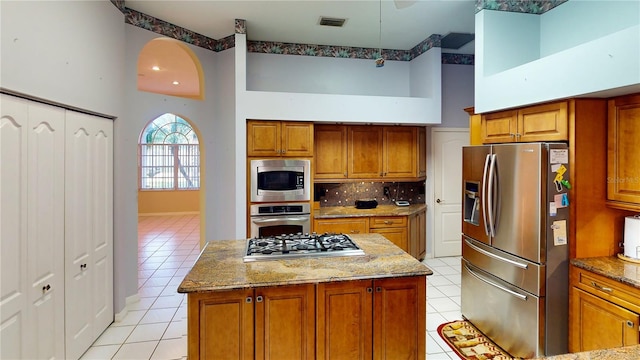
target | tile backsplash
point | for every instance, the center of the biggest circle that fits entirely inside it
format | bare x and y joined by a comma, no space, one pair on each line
345,194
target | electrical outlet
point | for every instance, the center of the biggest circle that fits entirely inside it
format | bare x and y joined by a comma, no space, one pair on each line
385,191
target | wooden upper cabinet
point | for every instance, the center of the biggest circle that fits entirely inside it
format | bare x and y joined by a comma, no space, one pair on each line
623,152
400,152
330,142
365,152
499,127
279,138
547,122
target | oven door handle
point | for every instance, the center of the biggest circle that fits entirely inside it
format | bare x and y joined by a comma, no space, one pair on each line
491,283
280,219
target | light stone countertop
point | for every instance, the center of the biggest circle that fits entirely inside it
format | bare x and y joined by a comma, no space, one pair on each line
381,210
220,266
622,353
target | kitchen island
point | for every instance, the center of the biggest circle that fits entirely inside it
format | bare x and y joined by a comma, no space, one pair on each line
366,306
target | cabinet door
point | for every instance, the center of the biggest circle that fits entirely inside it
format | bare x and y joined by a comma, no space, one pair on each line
14,288
330,144
400,152
344,320
422,235
32,231
358,225
263,138
499,127
399,318
220,325
417,235
89,232
365,152
422,152
397,235
600,324
547,122
623,165
297,139
285,322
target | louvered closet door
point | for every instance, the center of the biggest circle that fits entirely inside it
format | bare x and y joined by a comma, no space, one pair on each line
32,230
88,229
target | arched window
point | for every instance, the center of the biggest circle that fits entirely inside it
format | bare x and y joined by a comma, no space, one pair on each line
169,155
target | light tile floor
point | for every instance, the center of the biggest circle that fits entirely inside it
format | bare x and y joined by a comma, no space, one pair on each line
156,326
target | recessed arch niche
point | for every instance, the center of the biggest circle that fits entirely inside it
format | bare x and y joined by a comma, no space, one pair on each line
168,66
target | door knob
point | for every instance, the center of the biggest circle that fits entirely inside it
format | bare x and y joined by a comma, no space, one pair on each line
439,201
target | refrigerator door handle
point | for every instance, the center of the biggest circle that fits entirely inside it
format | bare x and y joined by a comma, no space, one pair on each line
484,193
488,282
491,204
494,256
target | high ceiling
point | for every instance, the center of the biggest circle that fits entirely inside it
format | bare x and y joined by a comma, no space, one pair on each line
405,23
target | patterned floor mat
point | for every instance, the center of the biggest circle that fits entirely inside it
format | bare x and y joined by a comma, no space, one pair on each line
469,343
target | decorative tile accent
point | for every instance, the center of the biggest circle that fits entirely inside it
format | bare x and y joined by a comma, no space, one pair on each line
345,194
458,59
530,6
119,4
162,27
240,26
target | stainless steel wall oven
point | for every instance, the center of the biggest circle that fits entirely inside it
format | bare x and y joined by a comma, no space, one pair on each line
279,218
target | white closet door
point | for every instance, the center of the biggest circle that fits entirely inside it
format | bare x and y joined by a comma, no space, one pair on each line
88,240
13,226
45,230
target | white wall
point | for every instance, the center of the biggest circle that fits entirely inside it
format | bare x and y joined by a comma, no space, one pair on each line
604,66
213,116
324,75
72,53
457,94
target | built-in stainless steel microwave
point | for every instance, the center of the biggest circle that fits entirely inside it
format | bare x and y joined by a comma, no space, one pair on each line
274,180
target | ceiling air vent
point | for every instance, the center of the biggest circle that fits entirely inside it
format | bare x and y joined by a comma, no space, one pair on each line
335,22
456,40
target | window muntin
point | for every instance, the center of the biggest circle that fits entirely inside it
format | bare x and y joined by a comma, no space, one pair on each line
169,155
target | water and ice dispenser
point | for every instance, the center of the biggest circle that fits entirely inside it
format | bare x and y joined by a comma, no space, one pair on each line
471,202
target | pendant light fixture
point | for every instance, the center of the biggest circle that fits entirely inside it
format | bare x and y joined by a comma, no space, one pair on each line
380,59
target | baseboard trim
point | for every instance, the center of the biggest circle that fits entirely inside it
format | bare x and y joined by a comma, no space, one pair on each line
170,213
128,301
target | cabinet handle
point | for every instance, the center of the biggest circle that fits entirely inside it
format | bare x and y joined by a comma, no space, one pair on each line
46,288
369,290
282,151
388,222
378,289
630,323
259,298
600,287
248,300
355,231
345,174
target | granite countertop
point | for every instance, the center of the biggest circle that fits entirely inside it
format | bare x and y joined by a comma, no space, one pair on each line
613,268
380,210
622,353
220,266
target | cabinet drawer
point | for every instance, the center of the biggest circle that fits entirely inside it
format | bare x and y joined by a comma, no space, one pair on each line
387,221
342,225
613,291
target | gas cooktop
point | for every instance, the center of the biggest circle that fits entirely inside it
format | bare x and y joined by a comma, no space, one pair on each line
300,245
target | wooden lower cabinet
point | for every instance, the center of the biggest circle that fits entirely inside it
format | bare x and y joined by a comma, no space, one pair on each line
407,232
386,316
266,323
603,313
355,225
363,319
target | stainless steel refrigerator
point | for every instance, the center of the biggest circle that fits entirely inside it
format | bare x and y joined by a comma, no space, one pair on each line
514,245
